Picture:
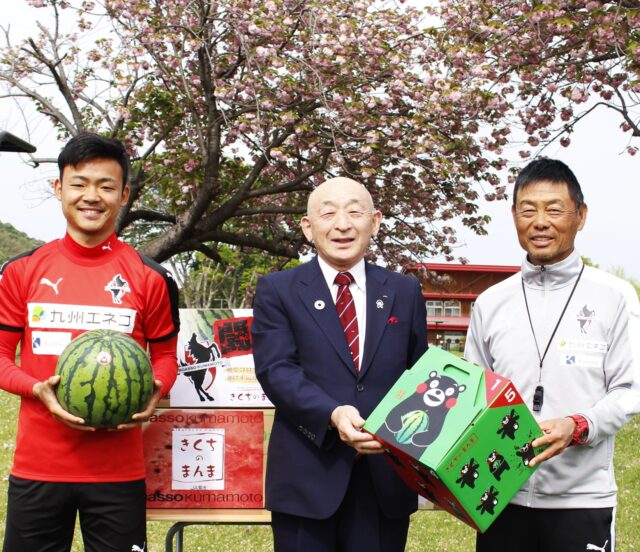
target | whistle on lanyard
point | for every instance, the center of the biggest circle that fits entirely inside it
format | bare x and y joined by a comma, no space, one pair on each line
538,398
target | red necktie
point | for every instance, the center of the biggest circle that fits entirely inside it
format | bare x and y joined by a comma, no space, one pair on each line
347,313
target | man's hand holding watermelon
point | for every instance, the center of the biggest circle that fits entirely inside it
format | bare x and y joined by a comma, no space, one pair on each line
141,417
45,392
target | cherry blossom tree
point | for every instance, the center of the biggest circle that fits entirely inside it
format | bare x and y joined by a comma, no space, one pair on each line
554,61
235,109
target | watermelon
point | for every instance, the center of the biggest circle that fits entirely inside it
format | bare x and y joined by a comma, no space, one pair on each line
413,422
105,378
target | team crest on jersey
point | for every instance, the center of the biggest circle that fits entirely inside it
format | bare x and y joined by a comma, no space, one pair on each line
585,317
117,287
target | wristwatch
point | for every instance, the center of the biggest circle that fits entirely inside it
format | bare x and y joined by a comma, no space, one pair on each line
581,432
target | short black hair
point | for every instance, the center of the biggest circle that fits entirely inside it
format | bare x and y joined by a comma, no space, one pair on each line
87,146
544,169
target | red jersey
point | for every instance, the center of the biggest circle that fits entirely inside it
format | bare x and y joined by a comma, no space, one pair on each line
48,297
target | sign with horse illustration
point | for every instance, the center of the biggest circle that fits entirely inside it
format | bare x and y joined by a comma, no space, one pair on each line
215,361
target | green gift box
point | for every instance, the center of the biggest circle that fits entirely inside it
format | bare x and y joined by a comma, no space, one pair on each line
457,434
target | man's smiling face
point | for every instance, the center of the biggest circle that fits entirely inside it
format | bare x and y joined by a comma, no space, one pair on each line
340,222
91,194
547,221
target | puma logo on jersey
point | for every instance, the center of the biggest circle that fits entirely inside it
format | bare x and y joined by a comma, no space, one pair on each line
107,247
118,286
47,282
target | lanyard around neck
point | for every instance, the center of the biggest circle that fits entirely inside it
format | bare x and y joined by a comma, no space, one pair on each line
541,357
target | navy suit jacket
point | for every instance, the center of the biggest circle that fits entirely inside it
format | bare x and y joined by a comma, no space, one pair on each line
303,364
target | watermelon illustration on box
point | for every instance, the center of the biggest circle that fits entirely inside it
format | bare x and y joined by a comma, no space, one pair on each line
458,435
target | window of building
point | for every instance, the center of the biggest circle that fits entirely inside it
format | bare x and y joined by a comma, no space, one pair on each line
452,308
434,308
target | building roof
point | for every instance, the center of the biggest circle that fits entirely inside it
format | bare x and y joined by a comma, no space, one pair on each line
451,267
437,295
442,323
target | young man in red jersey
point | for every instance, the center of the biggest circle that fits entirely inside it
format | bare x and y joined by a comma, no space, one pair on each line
87,280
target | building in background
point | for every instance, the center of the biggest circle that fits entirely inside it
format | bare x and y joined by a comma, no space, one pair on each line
450,291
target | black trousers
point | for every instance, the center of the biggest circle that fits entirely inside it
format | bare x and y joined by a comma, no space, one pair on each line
358,526
520,529
41,516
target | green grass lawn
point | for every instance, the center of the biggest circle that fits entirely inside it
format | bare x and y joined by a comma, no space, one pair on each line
436,531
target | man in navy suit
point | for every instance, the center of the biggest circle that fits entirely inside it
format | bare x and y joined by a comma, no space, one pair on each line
328,486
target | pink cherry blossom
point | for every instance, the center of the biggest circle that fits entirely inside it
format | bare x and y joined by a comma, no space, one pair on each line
235,109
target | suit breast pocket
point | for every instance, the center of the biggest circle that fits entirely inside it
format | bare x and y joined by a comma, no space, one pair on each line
394,345
396,326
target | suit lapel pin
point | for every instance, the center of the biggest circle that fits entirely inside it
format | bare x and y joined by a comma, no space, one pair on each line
380,304
319,304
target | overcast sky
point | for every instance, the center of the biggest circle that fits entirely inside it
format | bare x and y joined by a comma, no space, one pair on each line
610,180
